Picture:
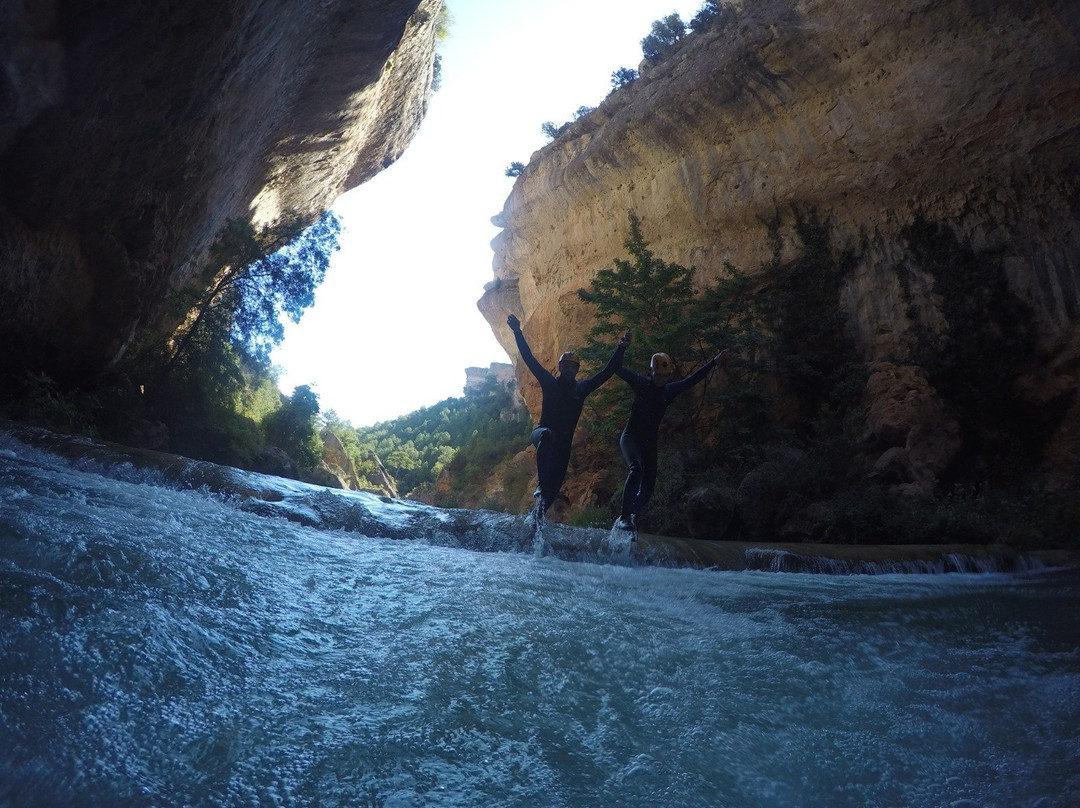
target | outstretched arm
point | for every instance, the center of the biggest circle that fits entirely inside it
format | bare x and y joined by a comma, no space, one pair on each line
615,362
677,387
527,357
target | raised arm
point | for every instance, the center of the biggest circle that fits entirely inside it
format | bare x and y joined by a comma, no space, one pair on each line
675,388
527,357
614,363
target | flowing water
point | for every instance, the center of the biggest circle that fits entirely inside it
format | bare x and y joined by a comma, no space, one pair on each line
170,644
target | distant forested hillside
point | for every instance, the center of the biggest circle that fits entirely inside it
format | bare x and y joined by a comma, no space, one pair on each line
479,429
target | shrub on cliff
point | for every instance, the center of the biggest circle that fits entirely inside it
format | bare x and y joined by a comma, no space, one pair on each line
622,77
713,14
664,38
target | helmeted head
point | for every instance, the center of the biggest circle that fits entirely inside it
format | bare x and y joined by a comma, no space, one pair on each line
661,365
569,364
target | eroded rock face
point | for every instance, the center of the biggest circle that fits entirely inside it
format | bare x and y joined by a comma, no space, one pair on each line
907,428
131,132
967,114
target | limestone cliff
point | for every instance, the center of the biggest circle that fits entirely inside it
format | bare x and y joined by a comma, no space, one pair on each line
967,113
131,132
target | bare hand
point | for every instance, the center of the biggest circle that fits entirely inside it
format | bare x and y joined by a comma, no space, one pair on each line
514,323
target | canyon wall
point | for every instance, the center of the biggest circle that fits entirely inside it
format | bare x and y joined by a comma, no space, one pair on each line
130,133
964,112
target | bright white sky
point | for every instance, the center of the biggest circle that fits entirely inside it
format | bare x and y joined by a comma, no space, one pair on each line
395,323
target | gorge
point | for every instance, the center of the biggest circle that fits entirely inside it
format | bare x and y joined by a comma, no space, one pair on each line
943,120
933,144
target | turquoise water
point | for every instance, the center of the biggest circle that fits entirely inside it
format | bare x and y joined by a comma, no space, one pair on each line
162,646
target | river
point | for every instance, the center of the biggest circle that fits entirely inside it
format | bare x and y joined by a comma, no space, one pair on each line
165,641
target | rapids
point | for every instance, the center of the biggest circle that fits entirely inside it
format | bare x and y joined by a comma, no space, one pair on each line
168,641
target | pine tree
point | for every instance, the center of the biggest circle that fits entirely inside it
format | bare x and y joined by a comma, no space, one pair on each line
655,301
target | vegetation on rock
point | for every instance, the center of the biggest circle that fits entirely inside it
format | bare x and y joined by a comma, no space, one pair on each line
776,448
209,391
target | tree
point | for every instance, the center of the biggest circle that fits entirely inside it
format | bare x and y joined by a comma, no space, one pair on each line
664,39
294,427
713,14
281,284
651,298
552,130
622,77
515,169
817,361
259,277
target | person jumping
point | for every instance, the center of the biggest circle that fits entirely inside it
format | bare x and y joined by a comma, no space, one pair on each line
638,441
563,398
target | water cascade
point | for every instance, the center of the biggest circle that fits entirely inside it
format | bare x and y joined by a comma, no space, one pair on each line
174,633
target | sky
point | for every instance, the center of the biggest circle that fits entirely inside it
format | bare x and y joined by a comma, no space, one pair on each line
395,322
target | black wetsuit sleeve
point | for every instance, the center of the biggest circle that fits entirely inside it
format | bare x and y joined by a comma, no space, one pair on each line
588,385
538,370
629,376
675,388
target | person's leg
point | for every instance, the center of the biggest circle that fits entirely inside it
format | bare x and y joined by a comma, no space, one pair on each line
631,452
552,458
648,474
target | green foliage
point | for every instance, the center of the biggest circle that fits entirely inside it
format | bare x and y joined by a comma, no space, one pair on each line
649,297
471,434
816,358
436,73
364,460
259,396
293,427
713,14
990,342
622,77
256,279
664,39
278,285
787,338
733,319
444,21
212,384
552,130
515,169
645,295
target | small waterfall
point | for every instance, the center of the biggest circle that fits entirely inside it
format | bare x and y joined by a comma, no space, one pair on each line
772,560
486,531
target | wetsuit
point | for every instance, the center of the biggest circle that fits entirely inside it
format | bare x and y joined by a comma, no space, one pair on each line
559,413
638,439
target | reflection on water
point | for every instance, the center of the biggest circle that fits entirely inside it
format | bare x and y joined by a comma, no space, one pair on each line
161,646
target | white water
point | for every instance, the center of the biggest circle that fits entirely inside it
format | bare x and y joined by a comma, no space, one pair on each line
164,647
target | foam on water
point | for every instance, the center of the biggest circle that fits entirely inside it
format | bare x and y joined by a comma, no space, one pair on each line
162,646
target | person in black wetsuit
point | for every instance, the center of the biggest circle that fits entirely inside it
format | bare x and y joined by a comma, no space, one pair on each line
652,394
563,398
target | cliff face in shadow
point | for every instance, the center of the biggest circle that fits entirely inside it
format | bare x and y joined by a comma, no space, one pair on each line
876,115
130,133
